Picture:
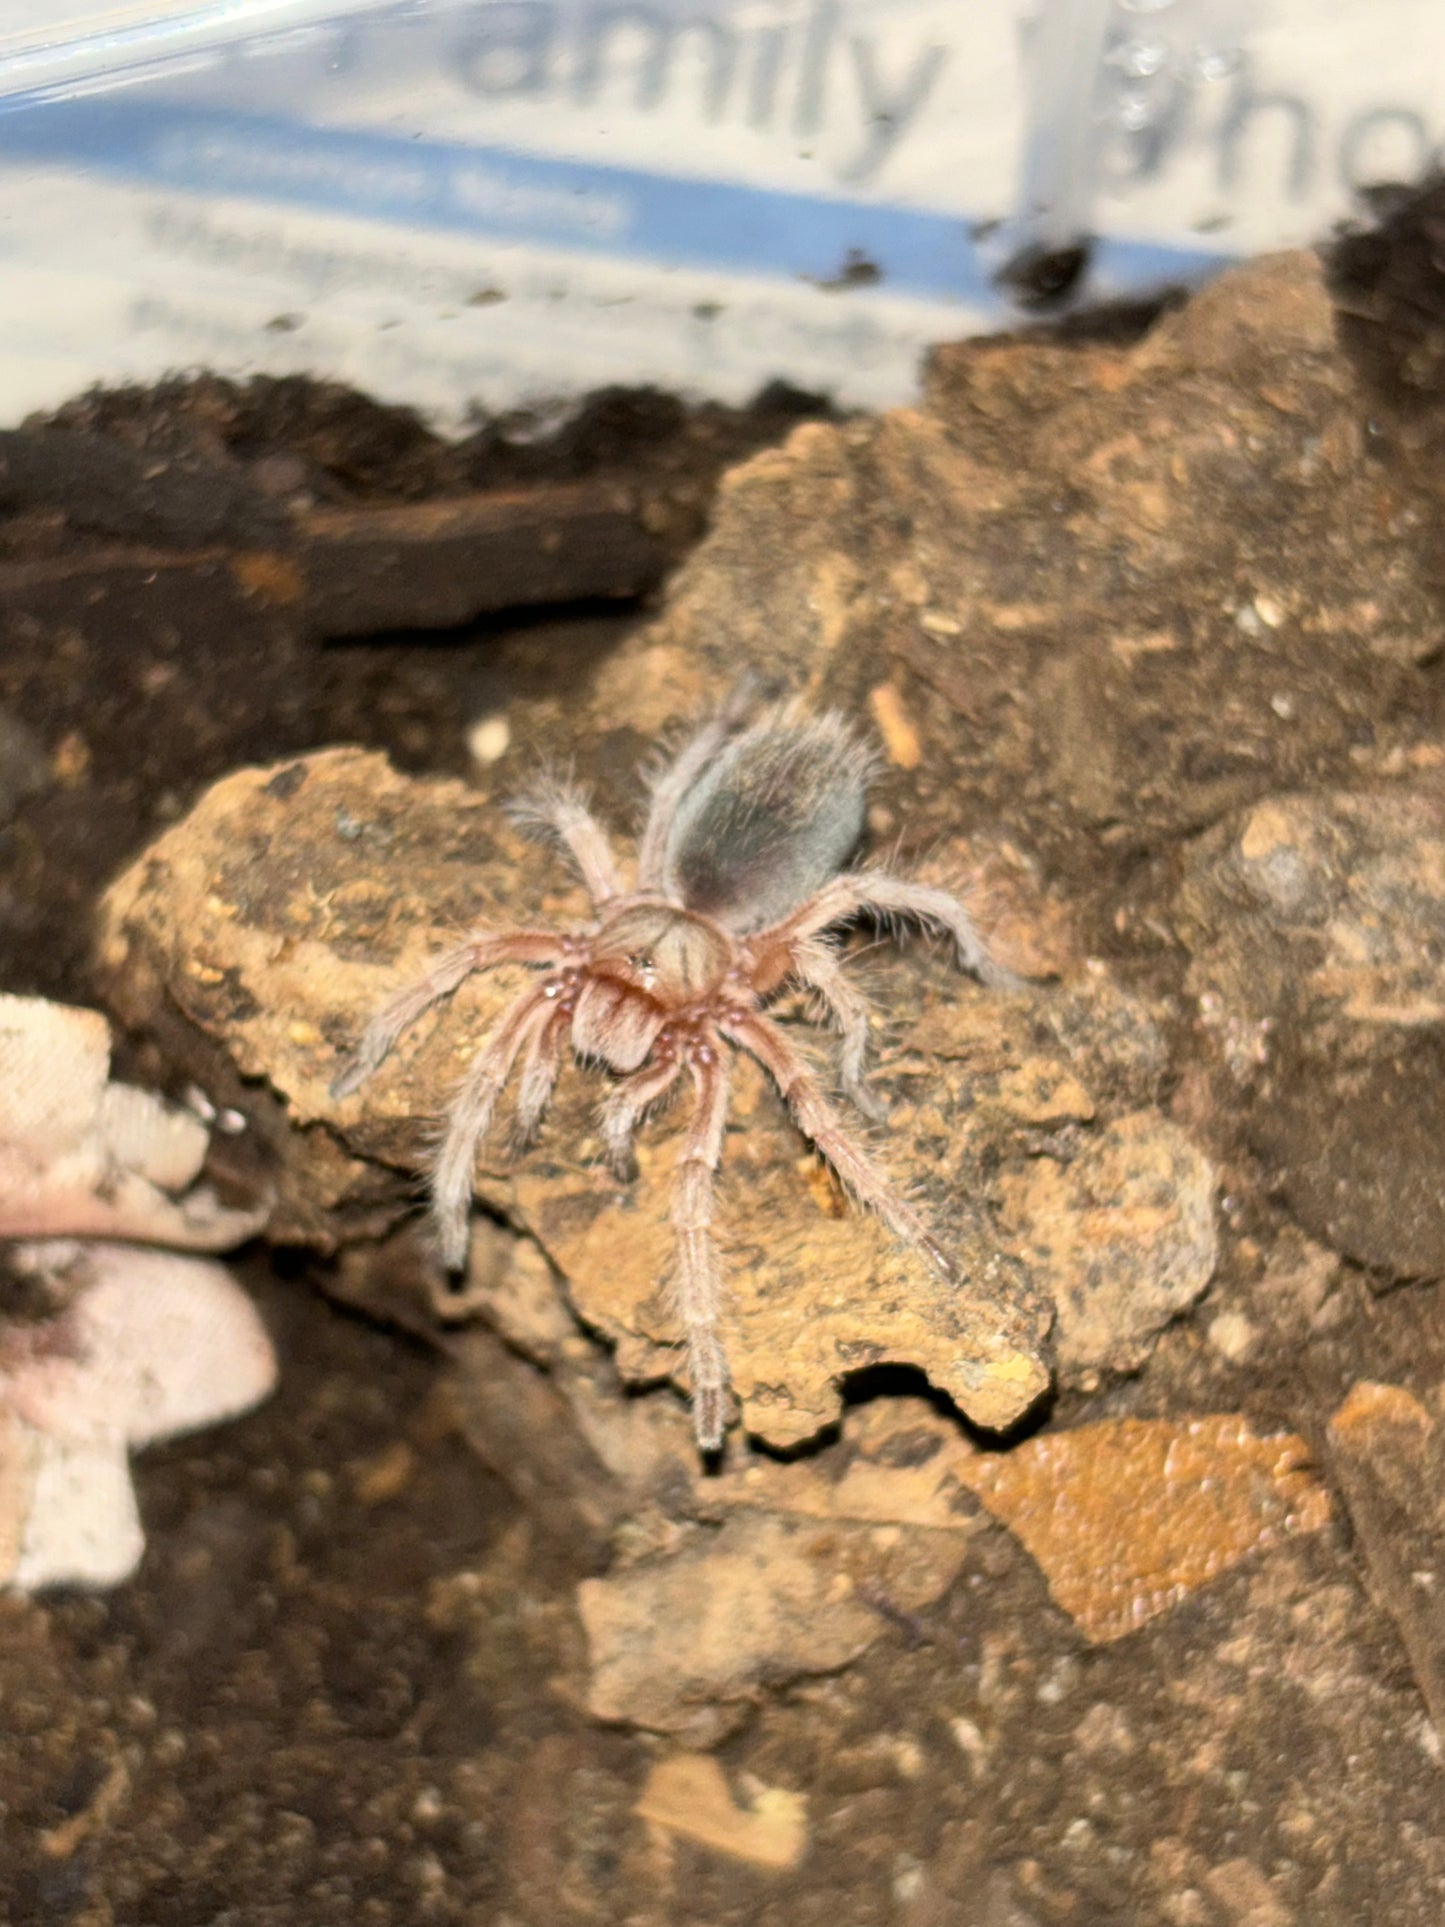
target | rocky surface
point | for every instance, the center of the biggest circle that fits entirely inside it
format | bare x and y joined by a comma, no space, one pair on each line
281,911
1069,651
1136,587
683,1644
812,1561
1316,927
1125,1234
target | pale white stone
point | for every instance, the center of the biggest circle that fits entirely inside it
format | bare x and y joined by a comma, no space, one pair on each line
1232,1335
82,1157
156,1344
158,1141
489,738
54,1063
83,1528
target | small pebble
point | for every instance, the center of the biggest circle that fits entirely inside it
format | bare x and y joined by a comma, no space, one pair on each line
488,739
1232,1336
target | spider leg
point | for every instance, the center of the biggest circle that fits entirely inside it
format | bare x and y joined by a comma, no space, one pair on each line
540,1068
821,969
471,1113
818,1120
891,897
631,1100
699,1275
480,951
561,808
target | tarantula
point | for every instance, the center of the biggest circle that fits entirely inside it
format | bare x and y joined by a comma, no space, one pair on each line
739,877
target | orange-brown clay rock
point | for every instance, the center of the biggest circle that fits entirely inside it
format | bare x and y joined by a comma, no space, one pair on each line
1128,1516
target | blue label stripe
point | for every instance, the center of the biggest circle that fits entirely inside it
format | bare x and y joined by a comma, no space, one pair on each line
507,195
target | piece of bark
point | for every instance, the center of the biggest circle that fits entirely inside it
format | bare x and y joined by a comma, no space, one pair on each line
435,565
362,571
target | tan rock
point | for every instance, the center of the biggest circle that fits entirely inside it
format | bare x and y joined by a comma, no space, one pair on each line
1125,1235
688,1794
685,1642
282,963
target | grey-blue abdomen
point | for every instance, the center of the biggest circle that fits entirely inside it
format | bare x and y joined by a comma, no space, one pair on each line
776,814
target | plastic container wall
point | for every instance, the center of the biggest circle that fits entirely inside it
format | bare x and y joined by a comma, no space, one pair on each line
503,203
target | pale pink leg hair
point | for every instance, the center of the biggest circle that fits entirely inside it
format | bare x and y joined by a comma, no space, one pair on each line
470,1115
892,897
699,1275
540,1069
817,1119
629,1103
480,951
820,968
561,808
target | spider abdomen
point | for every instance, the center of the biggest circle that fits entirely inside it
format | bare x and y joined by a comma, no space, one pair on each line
774,816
